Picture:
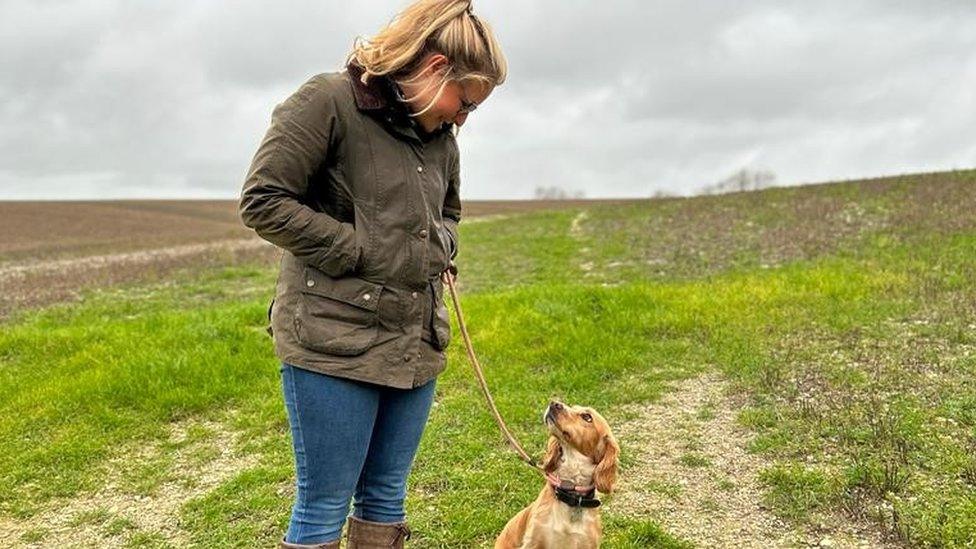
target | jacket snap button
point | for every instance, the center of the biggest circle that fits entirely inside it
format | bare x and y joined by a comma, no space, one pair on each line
413,295
420,169
310,283
366,297
423,233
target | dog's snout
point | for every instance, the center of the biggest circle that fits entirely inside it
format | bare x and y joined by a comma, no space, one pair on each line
554,409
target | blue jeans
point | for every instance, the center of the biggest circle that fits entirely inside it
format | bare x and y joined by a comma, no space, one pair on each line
352,440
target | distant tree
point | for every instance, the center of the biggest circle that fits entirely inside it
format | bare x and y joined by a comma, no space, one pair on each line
745,179
556,193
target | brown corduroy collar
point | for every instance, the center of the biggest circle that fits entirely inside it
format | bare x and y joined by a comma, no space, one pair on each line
370,96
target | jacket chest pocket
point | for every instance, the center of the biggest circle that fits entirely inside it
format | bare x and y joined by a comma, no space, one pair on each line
337,316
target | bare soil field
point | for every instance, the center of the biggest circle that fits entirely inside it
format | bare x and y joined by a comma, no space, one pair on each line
57,230
51,251
37,283
36,230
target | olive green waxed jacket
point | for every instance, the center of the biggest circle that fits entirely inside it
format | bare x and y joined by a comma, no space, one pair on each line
365,207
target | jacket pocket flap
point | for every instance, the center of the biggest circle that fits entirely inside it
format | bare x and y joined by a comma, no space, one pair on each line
351,290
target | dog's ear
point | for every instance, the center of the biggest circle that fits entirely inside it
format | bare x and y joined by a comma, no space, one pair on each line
605,474
554,452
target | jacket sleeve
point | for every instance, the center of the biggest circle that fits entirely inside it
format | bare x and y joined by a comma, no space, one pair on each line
451,212
273,198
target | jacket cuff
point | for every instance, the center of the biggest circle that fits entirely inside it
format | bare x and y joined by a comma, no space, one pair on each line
452,237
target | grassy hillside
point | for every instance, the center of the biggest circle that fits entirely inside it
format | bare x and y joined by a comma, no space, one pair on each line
842,316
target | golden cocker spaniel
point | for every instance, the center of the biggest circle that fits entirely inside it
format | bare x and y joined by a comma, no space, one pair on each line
581,458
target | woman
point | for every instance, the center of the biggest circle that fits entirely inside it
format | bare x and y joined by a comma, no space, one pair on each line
357,181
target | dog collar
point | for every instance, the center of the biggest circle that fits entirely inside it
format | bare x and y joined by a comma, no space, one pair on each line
572,495
575,499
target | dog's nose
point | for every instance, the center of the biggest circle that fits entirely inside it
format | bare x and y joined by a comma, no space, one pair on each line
555,405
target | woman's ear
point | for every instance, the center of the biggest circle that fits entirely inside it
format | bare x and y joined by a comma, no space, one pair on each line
436,63
554,452
605,474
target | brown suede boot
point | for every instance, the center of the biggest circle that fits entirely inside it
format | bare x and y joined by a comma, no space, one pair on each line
329,545
365,534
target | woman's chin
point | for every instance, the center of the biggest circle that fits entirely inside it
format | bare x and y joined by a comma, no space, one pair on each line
432,127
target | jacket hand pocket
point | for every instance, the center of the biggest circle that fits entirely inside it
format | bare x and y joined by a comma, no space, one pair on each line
441,318
337,316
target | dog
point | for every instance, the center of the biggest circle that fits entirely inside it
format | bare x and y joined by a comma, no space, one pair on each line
581,458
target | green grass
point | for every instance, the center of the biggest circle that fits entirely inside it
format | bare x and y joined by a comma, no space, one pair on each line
634,534
692,459
796,491
844,312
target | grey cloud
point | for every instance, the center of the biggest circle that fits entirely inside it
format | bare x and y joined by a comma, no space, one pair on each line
103,98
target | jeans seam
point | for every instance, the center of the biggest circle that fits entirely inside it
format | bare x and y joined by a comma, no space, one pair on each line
301,435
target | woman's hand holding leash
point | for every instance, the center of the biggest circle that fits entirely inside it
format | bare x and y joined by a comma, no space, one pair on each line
451,271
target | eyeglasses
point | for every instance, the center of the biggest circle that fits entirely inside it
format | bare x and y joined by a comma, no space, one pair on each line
467,107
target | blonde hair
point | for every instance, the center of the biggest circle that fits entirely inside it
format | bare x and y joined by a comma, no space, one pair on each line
447,27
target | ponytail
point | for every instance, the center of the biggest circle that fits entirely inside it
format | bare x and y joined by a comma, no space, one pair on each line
448,27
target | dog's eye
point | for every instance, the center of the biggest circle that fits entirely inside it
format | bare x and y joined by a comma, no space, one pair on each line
587,418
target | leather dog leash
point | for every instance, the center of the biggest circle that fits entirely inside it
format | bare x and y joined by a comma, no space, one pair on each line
448,277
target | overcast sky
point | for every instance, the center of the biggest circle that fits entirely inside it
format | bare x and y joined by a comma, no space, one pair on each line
130,98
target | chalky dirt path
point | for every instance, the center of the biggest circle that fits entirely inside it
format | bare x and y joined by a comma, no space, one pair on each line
691,474
196,457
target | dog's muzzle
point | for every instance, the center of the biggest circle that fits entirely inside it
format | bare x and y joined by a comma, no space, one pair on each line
551,411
